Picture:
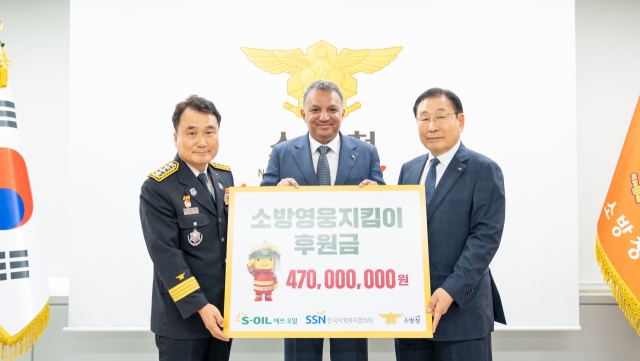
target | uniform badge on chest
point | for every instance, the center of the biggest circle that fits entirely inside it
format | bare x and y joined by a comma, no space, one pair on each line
195,237
187,203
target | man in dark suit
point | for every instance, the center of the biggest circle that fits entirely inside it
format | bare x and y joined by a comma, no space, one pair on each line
323,157
465,219
184,222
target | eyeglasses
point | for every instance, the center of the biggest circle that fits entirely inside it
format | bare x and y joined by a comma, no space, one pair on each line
439,119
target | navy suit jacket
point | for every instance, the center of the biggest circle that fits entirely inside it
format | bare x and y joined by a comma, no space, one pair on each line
465,220
198,271
357,161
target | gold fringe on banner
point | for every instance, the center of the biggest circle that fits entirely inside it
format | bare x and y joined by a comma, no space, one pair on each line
628,302
16,345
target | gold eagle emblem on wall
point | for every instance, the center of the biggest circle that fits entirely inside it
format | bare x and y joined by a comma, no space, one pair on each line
321,61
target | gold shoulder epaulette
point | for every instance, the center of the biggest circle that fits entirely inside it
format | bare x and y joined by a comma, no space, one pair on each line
164,171
220,166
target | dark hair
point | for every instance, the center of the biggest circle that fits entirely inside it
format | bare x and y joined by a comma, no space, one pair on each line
436,93
198,104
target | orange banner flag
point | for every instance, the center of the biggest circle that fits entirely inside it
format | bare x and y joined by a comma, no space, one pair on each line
618,238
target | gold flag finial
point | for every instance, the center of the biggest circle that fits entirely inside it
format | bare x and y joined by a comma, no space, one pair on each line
4,64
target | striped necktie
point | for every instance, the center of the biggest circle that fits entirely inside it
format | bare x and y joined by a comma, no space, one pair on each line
323,173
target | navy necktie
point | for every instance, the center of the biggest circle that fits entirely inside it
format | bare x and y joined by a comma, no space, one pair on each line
322,172
202,177
430,183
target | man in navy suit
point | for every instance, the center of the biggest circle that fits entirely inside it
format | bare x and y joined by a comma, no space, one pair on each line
465,219
323,157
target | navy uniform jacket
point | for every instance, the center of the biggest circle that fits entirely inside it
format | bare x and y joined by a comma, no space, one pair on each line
465,220
357,161
186,277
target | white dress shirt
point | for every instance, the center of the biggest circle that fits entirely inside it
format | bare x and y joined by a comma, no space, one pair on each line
444,159
332,155
209,182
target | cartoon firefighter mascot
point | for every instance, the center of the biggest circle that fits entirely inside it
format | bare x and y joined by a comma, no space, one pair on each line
264,259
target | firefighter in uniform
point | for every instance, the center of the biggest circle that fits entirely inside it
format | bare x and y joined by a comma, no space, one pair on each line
184,222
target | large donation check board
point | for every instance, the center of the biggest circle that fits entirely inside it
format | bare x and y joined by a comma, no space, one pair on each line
337,261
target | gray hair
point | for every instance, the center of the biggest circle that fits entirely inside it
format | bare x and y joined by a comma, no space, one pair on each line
324,85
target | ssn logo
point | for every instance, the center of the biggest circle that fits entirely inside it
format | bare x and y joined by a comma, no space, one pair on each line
315,319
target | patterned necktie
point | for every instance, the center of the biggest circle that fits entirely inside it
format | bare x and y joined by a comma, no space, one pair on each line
430,184
203,179
323,173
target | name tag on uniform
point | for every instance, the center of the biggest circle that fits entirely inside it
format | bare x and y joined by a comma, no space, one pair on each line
188,211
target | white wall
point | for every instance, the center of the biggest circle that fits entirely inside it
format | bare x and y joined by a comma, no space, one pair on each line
36,34
608,85
513,53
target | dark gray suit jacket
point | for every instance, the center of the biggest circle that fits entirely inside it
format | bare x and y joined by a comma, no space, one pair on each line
465,220
357,161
